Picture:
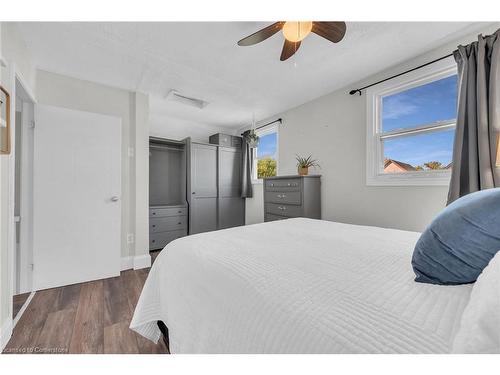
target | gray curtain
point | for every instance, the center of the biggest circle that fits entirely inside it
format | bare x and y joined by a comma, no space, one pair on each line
478,117
246,170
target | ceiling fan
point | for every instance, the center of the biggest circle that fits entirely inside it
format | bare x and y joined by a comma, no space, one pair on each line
294,32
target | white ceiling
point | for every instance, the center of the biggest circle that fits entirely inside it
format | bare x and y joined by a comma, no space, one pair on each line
201,59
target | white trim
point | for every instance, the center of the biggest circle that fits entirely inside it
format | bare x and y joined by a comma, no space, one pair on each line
142,261
428,128
26,87
5,333
127,263
9,324
3,62
374,136
23,308
136,263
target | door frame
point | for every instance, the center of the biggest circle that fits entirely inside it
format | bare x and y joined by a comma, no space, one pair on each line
13,75
26,192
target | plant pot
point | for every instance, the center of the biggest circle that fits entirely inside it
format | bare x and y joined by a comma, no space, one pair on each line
303,171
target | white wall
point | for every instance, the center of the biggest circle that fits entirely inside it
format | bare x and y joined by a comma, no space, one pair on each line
141,171
178,129
333,129
15,51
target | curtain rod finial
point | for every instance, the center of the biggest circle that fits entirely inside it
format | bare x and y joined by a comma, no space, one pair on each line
352,92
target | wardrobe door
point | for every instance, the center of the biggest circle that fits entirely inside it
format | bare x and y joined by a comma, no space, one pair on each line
203,188
231,205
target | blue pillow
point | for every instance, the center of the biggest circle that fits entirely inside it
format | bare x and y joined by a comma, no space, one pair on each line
460,241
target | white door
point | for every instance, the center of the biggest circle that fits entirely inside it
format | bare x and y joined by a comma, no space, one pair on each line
77,187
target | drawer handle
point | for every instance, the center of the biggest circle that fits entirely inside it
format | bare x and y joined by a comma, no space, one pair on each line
289,184
179,223
179,212
281,208
153,241
154,213
154,226
281,196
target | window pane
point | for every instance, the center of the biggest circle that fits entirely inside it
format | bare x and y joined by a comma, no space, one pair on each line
267,146
266,155
435,101
418,152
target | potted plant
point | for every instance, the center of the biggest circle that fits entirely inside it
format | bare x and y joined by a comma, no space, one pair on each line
303,164
252,138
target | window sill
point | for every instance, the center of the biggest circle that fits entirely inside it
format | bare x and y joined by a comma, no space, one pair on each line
436,178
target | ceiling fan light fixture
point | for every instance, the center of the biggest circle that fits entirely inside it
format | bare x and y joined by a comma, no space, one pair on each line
295,31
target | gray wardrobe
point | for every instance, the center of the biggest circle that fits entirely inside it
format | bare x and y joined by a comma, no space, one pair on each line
194,187
214,186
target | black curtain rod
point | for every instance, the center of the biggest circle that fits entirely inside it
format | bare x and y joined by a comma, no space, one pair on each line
280,120
352,92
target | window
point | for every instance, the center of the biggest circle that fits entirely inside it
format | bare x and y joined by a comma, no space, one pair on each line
411,128
266,154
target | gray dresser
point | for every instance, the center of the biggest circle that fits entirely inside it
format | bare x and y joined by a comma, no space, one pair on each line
166,223
292,196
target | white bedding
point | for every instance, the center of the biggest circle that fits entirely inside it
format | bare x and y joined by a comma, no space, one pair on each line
297,286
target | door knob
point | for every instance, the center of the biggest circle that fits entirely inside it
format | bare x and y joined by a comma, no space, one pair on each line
114,198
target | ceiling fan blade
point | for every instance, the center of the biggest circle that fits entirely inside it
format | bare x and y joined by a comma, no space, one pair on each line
289,49
262,34
333,31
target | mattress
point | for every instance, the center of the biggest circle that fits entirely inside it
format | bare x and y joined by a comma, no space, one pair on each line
297,286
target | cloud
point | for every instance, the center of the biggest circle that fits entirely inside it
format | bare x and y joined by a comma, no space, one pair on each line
398,106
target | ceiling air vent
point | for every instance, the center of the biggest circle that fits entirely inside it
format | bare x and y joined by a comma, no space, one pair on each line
175,96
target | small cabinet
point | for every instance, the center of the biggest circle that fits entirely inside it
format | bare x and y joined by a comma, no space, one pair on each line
166,223
292,196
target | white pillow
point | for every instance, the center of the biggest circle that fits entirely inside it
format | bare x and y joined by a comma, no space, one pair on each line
479,330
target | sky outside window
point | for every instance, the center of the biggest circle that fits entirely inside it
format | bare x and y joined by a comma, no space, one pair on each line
267,146
432,102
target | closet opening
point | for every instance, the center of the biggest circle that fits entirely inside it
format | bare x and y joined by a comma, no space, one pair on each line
168,208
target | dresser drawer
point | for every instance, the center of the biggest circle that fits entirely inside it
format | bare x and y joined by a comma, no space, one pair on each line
289,197
284,210
285,184
271,217
167,211
160,240
163,224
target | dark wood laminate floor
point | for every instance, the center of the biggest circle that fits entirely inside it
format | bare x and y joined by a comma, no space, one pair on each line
91,317
18,302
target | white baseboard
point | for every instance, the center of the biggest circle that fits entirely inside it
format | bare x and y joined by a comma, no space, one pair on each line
127,263
23,308
142,261
136,263
5,333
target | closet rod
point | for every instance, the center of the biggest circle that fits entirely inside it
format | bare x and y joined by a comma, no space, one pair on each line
162,147
352,92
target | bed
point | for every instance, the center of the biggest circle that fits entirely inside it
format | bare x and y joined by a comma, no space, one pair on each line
297,286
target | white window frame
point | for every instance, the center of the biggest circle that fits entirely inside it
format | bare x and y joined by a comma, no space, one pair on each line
273,128
375,175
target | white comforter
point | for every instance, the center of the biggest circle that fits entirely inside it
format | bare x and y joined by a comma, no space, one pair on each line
297,286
